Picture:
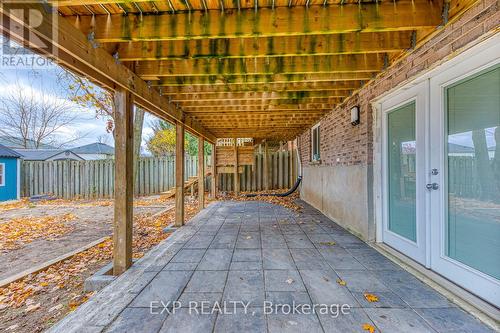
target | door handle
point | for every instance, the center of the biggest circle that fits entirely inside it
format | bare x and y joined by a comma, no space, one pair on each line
433,186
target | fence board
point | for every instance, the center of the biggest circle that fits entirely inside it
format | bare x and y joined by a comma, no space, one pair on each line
95,179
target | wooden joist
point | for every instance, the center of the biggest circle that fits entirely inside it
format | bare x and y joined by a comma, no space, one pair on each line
264,47
350,63
251,82
268,95
341,85
293,21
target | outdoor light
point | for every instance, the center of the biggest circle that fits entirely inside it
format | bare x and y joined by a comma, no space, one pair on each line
355,115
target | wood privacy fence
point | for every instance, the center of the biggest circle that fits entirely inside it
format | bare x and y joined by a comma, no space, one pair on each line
282,173
95,179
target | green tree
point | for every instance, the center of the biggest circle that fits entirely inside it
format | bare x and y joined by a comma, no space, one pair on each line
162,142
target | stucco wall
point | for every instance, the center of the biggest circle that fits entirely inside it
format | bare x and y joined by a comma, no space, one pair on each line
341,193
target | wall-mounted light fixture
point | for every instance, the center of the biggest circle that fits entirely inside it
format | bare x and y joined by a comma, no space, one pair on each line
355,115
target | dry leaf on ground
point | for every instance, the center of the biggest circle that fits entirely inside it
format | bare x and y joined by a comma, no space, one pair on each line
22,230
369,328
370,297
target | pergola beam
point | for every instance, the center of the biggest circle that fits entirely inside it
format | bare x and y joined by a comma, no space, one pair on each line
258,107
277,87
351,63
282,21
264,47
262,101
250,82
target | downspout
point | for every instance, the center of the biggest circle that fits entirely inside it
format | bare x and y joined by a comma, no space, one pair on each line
294,187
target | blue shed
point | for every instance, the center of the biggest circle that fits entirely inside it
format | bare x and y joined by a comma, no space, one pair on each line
10,176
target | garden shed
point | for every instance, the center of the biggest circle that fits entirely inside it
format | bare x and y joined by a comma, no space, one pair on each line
10,166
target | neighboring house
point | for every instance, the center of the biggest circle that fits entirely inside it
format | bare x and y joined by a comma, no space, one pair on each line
460,150
10,165
95,151
48,155
13,142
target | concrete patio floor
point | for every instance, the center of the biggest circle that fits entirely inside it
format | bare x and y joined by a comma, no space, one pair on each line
255,252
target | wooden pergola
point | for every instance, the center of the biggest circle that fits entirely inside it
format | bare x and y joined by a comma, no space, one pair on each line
222,68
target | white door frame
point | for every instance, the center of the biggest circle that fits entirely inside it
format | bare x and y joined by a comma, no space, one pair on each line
417,93
469,278
473,60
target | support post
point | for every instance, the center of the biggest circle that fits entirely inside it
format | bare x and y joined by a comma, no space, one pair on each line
201,173
124,181
213,185
236,174
179,174
266,167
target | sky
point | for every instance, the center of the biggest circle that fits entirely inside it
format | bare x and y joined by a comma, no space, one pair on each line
88,127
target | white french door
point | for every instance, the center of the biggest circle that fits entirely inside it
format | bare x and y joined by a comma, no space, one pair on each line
441,170
465,136
403,179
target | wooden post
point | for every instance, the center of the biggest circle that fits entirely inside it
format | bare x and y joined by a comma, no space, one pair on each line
266,168
201,173
179,174
124,182
213,185
236,174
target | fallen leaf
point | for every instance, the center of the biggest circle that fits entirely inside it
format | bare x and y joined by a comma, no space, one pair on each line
55,308
369,328
370,297
341,282
33,307
289,281
327,243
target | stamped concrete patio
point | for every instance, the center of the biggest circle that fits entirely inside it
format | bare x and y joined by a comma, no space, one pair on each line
255,252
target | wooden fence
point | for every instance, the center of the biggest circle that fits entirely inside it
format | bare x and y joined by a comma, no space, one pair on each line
95,179
282,173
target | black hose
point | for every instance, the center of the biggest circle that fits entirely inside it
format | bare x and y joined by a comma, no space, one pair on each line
287,193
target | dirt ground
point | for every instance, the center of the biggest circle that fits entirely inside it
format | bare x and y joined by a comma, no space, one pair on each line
92,221
39,300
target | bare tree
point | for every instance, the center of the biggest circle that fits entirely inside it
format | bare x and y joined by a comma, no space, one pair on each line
87,94
34,116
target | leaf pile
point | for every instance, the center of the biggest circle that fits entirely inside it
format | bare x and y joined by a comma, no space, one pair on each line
160,200
14,204
19,231
288,201
24,303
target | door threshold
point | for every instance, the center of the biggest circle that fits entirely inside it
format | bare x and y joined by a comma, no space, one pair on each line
482,310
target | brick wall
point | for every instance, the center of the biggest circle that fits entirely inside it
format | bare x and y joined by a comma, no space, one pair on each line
344,144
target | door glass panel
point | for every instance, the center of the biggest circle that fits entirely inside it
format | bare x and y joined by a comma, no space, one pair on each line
473,155
402,217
